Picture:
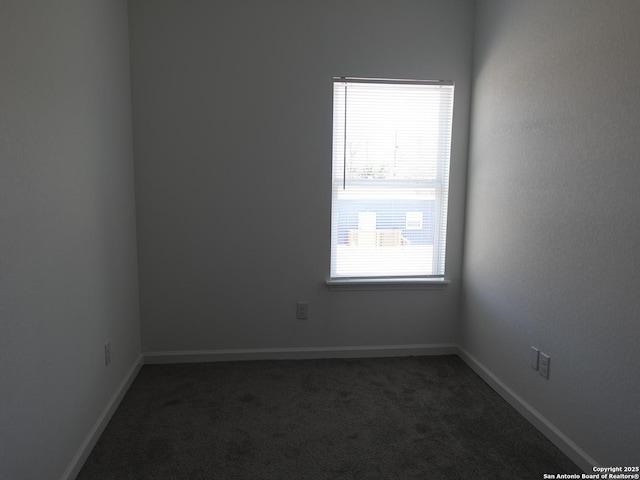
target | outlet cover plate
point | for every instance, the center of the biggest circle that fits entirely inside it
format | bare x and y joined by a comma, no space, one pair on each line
302,310
544,365
533,359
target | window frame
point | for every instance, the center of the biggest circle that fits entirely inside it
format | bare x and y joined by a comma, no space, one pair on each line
404,282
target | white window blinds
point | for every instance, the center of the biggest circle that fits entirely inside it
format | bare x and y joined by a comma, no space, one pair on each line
391,149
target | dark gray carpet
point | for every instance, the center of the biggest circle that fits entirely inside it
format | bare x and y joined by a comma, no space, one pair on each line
385,418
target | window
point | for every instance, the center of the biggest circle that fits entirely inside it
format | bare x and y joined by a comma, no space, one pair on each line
391,149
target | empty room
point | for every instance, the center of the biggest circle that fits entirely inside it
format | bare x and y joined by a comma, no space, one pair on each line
274,239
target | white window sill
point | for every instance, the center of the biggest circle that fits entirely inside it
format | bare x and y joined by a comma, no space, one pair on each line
346,284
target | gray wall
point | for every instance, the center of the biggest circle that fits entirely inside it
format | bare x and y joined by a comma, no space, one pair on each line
553,227
68,279
232,122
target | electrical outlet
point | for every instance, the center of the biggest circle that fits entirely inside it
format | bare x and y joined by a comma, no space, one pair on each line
545,360
533,358
302,310
107,354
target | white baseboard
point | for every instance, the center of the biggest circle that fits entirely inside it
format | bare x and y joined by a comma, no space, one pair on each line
559,439
298,353
94,434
